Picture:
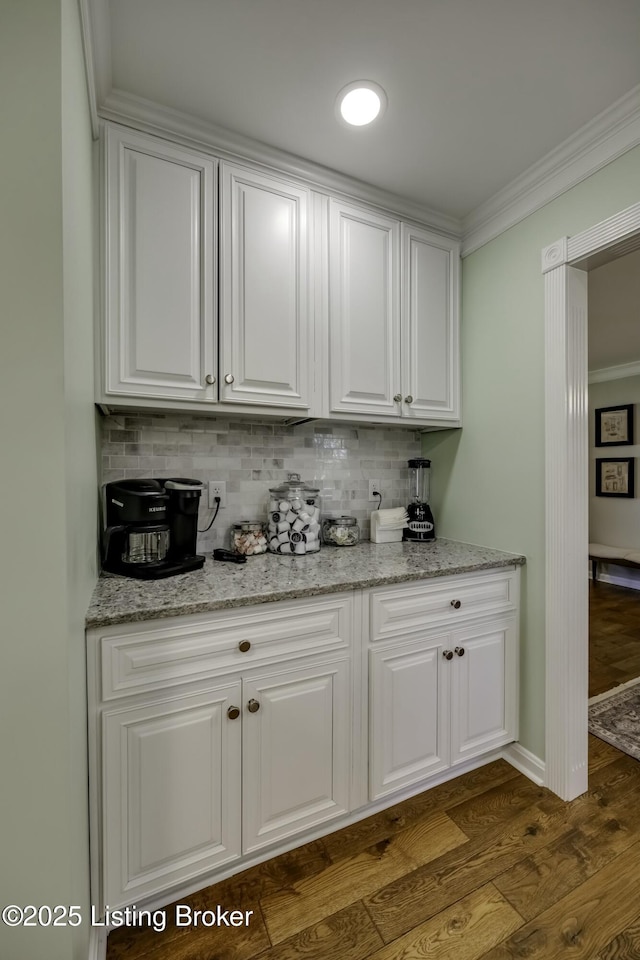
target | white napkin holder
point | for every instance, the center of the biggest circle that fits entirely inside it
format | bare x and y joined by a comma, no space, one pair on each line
380,534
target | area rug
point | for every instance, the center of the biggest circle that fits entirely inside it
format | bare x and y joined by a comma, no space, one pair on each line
615,717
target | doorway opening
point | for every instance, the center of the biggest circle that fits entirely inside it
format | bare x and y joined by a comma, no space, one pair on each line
565,265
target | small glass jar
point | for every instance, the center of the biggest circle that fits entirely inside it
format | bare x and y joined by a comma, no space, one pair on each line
248,537
340,531
294,517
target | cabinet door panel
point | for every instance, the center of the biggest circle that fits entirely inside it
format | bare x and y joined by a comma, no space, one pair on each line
171,792
364,308
409,710
264,291
160,269
483,689
296,751
430,325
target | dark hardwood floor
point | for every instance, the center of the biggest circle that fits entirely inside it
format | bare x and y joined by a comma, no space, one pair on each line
614,636
486,867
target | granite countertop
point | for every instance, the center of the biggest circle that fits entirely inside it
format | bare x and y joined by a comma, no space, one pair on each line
270,577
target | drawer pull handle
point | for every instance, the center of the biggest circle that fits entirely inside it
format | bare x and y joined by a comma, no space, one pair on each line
460,651
233,713
253,706
398,397
228,378
244,645
408,399
456,604
210,379
447,654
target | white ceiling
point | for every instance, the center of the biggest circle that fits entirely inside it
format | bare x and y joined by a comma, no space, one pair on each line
478,90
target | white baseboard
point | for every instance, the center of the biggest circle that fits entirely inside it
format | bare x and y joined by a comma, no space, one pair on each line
97,943
525,761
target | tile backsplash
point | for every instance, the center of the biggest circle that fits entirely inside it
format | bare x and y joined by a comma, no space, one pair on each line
253,455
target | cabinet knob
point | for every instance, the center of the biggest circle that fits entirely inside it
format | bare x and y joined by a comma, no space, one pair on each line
456,604
447,654
253,706
408,398
233,713
228,378
398,397
210,378
244,645
460,651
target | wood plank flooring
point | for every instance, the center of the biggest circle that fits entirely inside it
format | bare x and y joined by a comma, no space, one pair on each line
485,867
614,636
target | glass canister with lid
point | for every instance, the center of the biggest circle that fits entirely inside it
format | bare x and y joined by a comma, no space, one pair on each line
294,517
248,537
340,531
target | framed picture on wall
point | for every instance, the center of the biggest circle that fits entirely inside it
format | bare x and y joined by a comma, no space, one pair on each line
614,426
615,477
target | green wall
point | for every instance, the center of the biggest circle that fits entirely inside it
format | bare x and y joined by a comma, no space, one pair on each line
488,477
47,560
79,155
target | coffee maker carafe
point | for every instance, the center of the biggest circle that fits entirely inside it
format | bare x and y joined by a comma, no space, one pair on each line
420,526
151,527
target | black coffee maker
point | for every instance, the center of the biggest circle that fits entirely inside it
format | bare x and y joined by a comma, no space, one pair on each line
151,527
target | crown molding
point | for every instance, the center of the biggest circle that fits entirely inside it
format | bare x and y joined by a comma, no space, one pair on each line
606,137
620,372
96,45
149,117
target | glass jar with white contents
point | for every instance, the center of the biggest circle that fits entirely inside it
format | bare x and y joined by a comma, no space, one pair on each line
340,531
294,517
248,537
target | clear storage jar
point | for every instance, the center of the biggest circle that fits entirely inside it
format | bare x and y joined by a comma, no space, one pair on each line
248,537
294,517
340,531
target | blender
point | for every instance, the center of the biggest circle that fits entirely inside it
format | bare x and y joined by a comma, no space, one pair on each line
420,526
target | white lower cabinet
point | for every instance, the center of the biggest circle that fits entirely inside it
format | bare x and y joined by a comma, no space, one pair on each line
438,701
195,781
483,685
217,738
171,791
408,717
251,746
443,675
296,750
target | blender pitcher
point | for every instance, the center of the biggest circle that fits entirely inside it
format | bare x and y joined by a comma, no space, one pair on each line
420,526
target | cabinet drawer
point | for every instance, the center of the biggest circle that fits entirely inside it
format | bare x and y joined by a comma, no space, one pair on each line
450,600
166,653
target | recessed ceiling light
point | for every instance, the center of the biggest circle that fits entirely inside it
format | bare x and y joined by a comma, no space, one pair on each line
360,102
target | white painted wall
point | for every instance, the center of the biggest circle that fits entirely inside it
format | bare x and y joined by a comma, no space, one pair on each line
47,498
615,521
488,478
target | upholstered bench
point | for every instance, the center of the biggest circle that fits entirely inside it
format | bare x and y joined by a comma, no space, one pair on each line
624,556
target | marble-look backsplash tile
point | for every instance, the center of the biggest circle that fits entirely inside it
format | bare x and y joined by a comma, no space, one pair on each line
253,455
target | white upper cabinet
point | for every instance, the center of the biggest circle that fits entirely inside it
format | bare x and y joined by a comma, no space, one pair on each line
324,308
430,348
364,311
393,318
264,297
159,336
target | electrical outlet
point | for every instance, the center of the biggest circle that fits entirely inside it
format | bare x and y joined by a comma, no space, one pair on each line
374,486
217,488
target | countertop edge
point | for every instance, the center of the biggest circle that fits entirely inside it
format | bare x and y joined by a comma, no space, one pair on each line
293,593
